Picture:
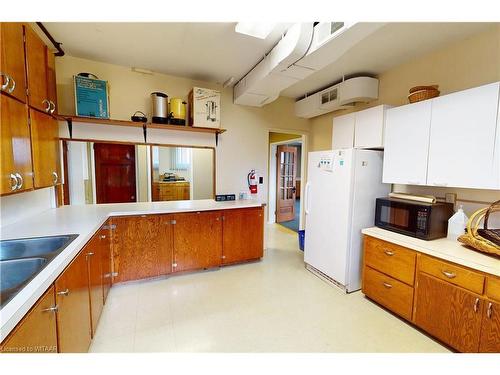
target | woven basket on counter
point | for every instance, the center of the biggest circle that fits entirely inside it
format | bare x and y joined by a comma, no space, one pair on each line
419,93
485,240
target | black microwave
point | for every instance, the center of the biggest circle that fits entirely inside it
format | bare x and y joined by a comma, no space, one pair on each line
426,221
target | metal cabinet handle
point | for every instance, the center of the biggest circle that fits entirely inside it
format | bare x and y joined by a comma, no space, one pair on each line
107,275
56,177
63,292
89,254
387,285
20,181
7,81
48,105
389,252
102,237
11,89
14,182
51,309
449,275
476,305
53,105
489,312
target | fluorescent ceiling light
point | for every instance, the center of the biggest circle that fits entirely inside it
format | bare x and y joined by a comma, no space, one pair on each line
259,30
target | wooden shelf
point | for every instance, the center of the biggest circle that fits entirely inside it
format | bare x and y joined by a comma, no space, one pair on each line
144,125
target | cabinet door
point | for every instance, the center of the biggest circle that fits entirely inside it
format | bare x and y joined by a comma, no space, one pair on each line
369,127
37,332
51,81
406,144
197,240
490,329
106,260
142,246
243,235
13,61
93,255
463,137
73,316
45,149
449,313
16,146
343,131
36,71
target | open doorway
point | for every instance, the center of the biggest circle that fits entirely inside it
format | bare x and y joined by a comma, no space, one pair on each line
285,177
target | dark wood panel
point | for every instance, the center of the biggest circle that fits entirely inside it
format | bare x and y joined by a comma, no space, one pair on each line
72,297
37,332
449,313
142,246
490,330
13,59
106,259
93,253
243,235
197,240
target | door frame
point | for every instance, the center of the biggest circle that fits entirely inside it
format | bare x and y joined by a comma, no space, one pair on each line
271,207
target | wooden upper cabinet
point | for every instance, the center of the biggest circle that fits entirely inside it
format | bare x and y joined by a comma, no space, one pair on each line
490,328
243,235
449,313
13,79
51,81
36,59
142,246
73,316
45,149
197,240
16,169
92,252
37,332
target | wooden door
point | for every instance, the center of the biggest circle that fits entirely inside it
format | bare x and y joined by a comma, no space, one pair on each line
490,329
197,240
73,316
243,234
115,173
343,131
406,144
13,61
36,59
37,332
93,255
286,172
45,149
463,137
451,314
51,81
16,146
106,259
142,246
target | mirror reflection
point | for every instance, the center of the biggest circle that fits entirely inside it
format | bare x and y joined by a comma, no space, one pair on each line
98,172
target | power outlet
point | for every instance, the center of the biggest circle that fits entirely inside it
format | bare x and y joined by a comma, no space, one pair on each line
450,198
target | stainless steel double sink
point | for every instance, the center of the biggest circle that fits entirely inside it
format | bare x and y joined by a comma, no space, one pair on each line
22,259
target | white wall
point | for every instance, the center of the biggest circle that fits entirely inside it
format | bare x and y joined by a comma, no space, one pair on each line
77,171
142,173
20,206
202,181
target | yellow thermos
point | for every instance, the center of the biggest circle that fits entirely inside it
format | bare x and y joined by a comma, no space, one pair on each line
177,111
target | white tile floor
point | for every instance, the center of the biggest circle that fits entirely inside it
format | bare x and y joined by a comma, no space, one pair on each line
270,306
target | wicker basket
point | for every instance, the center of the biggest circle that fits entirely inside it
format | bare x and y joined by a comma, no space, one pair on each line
419,93
485,240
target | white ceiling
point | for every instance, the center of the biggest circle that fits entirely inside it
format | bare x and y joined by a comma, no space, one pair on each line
214,51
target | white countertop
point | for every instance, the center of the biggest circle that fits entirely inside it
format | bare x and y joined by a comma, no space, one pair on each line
83,220
442,248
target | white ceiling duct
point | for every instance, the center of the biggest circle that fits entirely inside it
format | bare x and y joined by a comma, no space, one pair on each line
302,51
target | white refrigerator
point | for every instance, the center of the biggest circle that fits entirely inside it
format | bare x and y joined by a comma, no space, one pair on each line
340,201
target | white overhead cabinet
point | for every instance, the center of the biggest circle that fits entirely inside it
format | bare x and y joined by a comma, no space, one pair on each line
363,129
453,140
407,144
464,133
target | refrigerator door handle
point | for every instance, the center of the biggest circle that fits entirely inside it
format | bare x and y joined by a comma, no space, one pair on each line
306,193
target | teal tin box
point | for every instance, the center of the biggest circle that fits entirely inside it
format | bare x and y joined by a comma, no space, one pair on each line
91,97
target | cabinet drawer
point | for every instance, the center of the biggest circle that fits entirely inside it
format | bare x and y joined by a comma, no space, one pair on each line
493,288
391,259
389,292
454,274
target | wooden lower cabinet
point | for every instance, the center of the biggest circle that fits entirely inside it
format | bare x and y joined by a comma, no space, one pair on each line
37,332
449,313
93,253
490,328
243,235
197,240
142,246
106,260
73,315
